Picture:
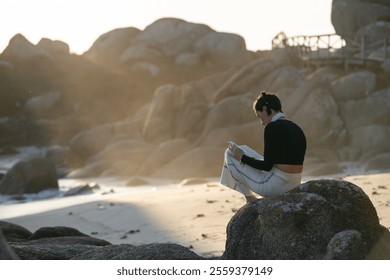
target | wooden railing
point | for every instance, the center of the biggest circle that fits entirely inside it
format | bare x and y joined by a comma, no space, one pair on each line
333,49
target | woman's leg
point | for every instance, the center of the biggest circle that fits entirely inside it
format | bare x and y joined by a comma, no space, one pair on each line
233,176
250,181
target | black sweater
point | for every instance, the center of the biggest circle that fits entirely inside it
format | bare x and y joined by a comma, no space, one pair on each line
284,143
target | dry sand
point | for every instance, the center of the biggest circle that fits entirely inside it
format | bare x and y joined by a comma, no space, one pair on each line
194,216
377,187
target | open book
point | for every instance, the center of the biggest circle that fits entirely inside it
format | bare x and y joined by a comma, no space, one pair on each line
247,151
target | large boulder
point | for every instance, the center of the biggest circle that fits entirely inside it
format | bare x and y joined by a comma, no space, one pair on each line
229,111
90,142
250,134
159,124
13,232
109,47
373,109
127,149
30,176
324,219
53,47
316,81
20,48
6,252
120,158
370,140
379,162
245,79
375,32
139,53
354,86
191,121
283,78
55,248
44,104
222,48
348,16
319,107
179,35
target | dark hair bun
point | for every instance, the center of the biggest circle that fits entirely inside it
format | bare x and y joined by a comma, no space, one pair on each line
270,101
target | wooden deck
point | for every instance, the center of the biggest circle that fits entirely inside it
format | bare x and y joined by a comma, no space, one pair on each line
332,49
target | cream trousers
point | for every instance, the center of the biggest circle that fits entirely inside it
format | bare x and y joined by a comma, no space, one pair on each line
248,180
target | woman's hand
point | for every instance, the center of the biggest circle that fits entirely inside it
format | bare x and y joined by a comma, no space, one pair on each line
237,153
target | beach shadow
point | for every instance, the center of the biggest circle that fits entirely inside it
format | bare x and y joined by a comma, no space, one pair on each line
120,220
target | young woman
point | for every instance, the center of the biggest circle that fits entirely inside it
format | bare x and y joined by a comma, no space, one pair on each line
280,169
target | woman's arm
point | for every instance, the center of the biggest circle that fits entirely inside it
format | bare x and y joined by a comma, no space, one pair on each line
258,164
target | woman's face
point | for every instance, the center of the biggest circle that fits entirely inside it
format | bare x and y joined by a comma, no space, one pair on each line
264,117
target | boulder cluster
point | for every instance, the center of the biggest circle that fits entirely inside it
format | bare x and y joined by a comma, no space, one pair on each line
164,101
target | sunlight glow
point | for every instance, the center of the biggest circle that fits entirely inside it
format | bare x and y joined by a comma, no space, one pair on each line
80,23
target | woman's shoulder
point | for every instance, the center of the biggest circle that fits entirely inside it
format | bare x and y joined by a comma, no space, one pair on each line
279,123
282,124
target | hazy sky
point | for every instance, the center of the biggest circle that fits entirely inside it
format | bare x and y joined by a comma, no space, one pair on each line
80,22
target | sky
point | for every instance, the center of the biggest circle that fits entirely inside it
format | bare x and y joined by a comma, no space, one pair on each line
80,22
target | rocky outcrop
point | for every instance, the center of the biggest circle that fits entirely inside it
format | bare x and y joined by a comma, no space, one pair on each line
6,252
63,243
185,43
365,27
20,48
54,243
195,87
350,16
30,176
43,104
322,219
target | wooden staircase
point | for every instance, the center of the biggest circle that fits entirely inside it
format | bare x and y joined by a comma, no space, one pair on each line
332,49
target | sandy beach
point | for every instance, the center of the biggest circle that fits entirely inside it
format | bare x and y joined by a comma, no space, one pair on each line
194,216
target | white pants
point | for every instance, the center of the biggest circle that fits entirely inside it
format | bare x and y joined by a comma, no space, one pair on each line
248,180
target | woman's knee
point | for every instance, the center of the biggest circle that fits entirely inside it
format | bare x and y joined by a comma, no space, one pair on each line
228,153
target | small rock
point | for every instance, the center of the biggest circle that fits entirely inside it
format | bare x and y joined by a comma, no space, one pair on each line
101,207
132,231
109,192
